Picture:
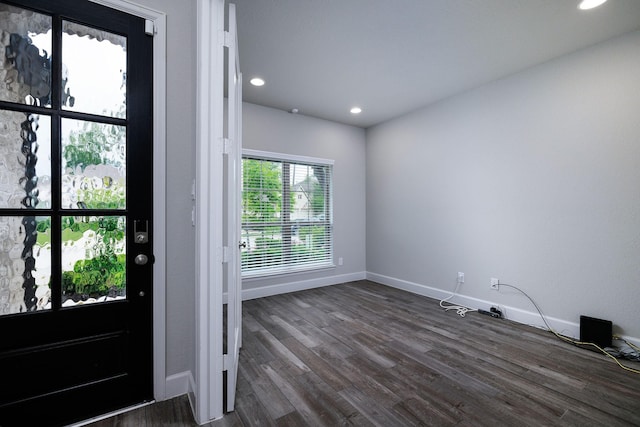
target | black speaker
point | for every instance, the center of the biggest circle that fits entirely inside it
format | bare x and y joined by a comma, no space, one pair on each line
596,331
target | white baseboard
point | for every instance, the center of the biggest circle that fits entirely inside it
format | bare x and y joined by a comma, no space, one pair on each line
531,318
191,394
512,313
267,291
633,340
179,384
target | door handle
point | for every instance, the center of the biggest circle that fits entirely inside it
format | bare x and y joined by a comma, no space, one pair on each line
242,245
141,259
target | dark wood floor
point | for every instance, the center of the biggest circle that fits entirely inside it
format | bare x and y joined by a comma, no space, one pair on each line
367,355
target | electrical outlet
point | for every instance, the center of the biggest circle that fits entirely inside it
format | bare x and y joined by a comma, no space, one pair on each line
495,284
460,277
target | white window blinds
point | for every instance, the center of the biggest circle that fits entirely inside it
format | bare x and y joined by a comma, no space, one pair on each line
286,214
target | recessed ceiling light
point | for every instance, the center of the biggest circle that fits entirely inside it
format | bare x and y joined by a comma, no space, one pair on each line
257,81
356,110
590,4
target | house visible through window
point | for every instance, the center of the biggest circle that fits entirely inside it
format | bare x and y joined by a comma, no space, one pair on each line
286,213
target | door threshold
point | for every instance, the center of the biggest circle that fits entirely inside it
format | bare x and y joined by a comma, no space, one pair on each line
112,414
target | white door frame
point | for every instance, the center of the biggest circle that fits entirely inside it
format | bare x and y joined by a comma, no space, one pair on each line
159,20
209,210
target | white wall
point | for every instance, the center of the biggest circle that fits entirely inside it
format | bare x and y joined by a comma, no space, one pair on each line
534,179
268,129
180,235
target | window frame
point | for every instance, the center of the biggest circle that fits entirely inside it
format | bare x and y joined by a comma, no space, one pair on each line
327,222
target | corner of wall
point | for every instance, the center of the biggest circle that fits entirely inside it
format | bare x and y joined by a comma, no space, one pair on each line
179,384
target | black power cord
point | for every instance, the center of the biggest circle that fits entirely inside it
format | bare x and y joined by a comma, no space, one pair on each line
493,313
496,311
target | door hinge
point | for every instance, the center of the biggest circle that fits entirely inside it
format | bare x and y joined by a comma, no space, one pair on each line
228,40
227,145
223,145
225,362
149,27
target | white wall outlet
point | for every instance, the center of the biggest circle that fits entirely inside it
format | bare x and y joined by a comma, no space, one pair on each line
460,277
495,284
340,261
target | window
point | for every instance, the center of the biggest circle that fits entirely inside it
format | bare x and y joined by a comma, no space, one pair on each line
286,213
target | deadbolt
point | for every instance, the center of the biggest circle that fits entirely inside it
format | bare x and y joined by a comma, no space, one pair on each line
141,259
142,238
141,231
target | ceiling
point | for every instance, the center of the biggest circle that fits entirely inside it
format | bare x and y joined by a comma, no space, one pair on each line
391,57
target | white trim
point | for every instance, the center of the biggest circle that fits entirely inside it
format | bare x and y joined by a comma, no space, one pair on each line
135,9
208,392
633,340
267,155
159,183
531,318
192,393
266,291
179,384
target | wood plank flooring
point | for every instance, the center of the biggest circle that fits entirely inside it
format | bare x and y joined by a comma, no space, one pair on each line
364,354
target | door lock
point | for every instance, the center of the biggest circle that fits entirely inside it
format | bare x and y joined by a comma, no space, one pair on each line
141,231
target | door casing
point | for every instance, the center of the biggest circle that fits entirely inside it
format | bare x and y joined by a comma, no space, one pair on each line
208,394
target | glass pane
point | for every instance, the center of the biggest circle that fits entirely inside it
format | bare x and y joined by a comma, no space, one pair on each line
93,165
262,190
25,41
311,244
93,259
25,160
25,264
308,201
94,70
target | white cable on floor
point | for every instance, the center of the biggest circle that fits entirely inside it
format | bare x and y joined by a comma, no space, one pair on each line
460,309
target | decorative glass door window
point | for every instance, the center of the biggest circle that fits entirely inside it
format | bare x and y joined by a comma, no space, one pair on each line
25,163
62,160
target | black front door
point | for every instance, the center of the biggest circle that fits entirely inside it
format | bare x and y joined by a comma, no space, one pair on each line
75,211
